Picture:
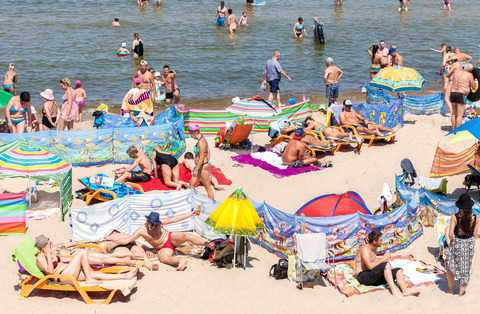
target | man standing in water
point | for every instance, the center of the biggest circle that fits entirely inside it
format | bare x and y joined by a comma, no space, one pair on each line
333,74
273,73
170,83
148,81
395,59
462,83
384,53
221,14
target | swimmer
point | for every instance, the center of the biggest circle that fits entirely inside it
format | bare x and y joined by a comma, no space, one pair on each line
243,19
299,28
137,46
80,96
123,49
10,78
115,22
341,2
232,21
447,5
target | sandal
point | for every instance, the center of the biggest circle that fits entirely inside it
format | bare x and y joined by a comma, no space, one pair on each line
326,165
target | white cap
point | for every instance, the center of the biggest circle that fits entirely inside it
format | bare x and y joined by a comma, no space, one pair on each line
32,110
329,60
347,102
144,62
157,74
124,45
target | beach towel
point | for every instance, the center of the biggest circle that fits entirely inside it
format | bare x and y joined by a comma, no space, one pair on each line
25,253
123,285
274,170
270,158
137,100
348,285
42,210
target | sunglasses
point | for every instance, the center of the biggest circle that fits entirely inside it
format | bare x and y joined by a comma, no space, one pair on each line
151,224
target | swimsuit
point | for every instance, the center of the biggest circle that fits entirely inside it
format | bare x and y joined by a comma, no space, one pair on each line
375,276
297,164
80,103
375,70
128,246
13,109
139,176
243,21
166,159
139,48
7,86
365,125
220,21
168,244
170,95
320,128
458,98
299,29
45,121
332,90
195,151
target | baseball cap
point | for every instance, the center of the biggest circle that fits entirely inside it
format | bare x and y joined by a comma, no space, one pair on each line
347,102
391,50
298,134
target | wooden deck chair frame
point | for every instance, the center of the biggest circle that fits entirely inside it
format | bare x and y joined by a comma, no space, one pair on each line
96,194
339,143
240,133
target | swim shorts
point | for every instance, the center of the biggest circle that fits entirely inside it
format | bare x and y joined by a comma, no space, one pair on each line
274,86
220,21
458,98
168,244
297,164
332,90
375,276
170,95
365,125
139,176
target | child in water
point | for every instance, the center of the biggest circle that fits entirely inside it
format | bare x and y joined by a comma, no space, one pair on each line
189,163
123,49
232,21
447,5
115,22
80,96
243,19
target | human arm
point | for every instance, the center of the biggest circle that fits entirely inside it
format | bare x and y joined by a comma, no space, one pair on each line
368,262
451,71
287,130
199,161
167,221
29,116
15,78
154,162
266,78
152,82
305,31
7,113
340,74
294,28
469,58
369,51
325,77
69,103
473,85
126,239
285,75
453,223
476,63
438,51
135,163
44,261
475,229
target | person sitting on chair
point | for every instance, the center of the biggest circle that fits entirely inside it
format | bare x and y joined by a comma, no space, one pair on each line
289,129
329,131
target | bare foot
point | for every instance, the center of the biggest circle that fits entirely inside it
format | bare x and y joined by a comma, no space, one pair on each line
92,281
219,188
377,132
398,127
185,184
128,261
179,186
411,293
131,273
211,245
350,136
396,293
451,292
182,265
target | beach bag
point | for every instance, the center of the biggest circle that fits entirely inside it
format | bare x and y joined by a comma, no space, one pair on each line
263,86
279,270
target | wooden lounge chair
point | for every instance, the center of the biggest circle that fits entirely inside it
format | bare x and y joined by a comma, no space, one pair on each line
105,194
339,142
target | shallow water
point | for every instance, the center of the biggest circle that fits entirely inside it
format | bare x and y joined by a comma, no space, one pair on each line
48,40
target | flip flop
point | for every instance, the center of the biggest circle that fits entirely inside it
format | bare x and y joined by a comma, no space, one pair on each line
326,165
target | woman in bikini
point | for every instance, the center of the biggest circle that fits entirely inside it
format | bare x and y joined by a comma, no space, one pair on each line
10,78
80,96
17,112
169,166
202,169
329,131
78,266
376,58
69,112
232,21
50,111
299,28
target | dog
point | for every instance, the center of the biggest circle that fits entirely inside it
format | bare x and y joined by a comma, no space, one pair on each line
472,179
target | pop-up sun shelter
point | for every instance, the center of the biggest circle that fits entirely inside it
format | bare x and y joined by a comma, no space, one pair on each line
330,205
24,159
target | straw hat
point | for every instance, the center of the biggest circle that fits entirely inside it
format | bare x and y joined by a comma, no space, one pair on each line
452,56
65,81
47,94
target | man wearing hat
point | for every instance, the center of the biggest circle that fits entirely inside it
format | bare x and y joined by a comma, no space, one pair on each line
352,118
332,76
148,81
163,241
395,59
294,153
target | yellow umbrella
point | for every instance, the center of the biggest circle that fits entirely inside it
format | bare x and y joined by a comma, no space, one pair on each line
462,136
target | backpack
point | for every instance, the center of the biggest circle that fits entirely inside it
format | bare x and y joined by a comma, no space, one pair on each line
279,270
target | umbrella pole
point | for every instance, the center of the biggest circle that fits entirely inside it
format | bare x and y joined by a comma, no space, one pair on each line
253,131
245,253
234,249
29,192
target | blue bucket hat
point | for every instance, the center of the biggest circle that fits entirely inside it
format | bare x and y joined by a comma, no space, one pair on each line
154,218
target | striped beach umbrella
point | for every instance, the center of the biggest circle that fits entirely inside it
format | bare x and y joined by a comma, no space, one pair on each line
254,108
398,79
31,161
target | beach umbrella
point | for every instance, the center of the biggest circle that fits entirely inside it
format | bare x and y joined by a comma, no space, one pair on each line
472,126
462,136
236,216
4,98
398,79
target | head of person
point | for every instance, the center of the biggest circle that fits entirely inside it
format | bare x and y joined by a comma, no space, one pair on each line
329,61
374,49
276,54
244,13
11,67
151,70
137,83
47,94
166,69
153,221
299,134
392,52
465,204
448,49
347,105
132,152
222,4
78,84
194,131
393,46
300,20
444,45
452,58
374,238
65,83
25,98
116,19
468,67
382,44
230,11
124,45
188,155
136,36
143,66
309,120
157,75
456,50
41,242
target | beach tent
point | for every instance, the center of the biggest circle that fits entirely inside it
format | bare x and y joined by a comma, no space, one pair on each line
330,205
33,161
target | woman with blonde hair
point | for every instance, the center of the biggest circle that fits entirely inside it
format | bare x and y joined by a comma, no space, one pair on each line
69,112
169,166
10,78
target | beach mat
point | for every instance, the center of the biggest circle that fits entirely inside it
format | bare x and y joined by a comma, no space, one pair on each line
275,171
348,285
185,175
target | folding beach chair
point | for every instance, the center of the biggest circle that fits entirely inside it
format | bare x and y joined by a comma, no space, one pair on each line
240,133
103,193
312,254
339,141
333,119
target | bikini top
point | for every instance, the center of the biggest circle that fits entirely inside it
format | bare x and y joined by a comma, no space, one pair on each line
195,149
13,109
300,26
457,228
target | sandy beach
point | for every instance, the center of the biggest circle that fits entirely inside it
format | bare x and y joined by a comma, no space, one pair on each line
204,288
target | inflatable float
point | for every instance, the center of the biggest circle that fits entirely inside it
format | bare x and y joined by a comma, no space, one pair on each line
475,95
319,32
4,98
258,3
123,54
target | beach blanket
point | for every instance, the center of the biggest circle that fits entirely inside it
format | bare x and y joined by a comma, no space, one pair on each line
25,253
272,165
42,210
185,175
446,163
137,100
348,285
119,189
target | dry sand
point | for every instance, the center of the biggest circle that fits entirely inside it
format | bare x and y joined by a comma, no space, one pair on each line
203,288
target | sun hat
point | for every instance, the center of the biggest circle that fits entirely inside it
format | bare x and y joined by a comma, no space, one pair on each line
78,83
32,110
452,56
298,134
124,45
137,80
154,218
194,128
41,241
347,102
464,201
157,74
391,50
65,81
47,94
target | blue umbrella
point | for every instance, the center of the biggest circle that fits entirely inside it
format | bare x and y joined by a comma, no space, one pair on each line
472,126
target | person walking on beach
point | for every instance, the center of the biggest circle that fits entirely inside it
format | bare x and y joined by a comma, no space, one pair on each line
80,96
273,73
462,83
376,59
332,76
169,80
461,252
384,54
137,46
69,112
202,158
148,81
221,14
10,78
299,28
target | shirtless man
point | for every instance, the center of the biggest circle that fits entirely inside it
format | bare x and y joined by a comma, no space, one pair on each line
221,14
170,83
294,153
349,117
163,241
148,81
384,53
307,139
462,83
329,131
373,271
395,59
333,74
450,66
142,161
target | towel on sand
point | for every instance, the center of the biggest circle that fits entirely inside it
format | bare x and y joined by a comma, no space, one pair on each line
270,158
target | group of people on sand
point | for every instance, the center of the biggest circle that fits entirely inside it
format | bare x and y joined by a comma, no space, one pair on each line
22,117
225,17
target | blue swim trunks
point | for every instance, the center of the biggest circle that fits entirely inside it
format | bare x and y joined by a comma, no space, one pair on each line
274,86
332,90
220,21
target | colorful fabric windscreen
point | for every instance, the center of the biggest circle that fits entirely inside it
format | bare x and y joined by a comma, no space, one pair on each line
12,213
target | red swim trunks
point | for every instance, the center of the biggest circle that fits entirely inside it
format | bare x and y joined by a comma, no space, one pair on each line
168,244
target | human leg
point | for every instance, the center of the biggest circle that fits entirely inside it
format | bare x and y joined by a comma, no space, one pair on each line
459,115
80,113
365,130
215,184
270,97
78,263
140,252
166,256
387,273
176,96
123,177
179,238
450,281
106,276
96,258
279,103
70,125
176,177
167,178
454,115
205,179
400,278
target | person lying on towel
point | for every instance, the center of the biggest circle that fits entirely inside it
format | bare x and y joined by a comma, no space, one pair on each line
142,161
374,271
288,129
294,153
349,117
163,241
